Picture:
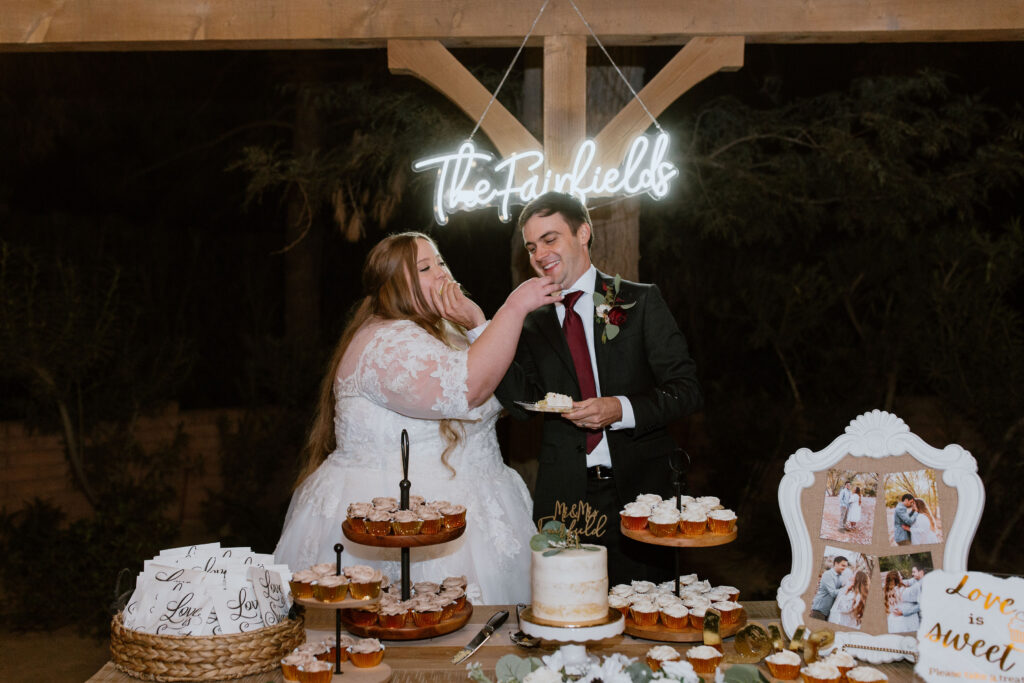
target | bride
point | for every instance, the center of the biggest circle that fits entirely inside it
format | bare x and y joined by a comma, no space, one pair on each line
848,609
893,593
853,515
404,362
924,529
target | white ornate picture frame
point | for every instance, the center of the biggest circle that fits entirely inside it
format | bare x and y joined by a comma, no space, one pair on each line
867,444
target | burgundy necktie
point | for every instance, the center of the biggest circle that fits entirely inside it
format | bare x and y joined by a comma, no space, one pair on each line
577,340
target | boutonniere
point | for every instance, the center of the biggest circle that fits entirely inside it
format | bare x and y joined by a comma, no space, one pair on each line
610,310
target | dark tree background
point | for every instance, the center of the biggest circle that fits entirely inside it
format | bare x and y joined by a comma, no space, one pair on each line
190,227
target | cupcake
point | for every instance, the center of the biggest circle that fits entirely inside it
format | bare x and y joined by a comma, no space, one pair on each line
664,522
643,587
425,588
675,616
644,613
634,516
693,523
704,659
356,515
385,503
416,501
697,617
659,654
334,648
457,581
315,672
620,603
291,663
393,614
866,674
694,600
325,569
820,672
730,612
313,650
784,664
366,652
732,592
406,523
432,521
448,607
456,594
426,611
842,660
363,616
454,516
364,581
708,501
330,588
648,499
623,589
687,579
301,583
662,599
722,521
378,522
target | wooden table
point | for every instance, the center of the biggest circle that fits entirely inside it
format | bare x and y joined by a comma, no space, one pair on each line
430,661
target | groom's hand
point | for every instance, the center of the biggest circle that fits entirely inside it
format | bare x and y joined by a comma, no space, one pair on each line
595,413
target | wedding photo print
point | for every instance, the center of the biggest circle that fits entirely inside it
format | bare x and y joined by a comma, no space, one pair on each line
844,581
901,577
912,508
849,508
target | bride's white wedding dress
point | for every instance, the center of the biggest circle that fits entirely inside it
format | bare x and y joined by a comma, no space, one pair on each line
853,515
921,531
898,623
396,376
842,609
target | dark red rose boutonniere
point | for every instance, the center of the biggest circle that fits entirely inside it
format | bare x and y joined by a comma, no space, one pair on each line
610,310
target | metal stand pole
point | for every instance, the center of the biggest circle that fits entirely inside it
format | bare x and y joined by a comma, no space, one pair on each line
404,486
337,616
679,462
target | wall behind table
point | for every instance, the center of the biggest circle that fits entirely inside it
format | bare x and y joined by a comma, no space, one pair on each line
33,464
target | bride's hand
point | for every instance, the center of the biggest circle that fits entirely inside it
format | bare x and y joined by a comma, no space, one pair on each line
533,294
453,305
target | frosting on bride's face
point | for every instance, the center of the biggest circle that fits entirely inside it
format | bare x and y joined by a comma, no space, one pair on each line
430,268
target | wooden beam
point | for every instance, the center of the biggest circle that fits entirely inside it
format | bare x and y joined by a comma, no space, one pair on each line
700,58
315,24
565,99
432,63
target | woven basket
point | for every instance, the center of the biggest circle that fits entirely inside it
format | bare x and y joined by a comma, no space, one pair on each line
202,658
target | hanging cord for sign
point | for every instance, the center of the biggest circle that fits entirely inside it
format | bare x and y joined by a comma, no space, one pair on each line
494,95
617,69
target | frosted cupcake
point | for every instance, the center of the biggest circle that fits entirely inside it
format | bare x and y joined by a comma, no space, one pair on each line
456,581
363,616
425,588
693,522
623,589
634,516
619,602
415,501
659,654
456,594
730,611
697,617
315,672
356,514
406,523
675,616
694,600
385,503
722,521
820,672
664,522
433,522
708,501
341,646
644,613
426,611
311,649
704,658
866,674
366,652
687,579
842,660
643,587
364,581
378,522
448,607
291,663
649,499
301,583
732,591
454,516
325,568
393,614
784,665
330,588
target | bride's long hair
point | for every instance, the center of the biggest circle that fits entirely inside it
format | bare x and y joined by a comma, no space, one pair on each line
922,508
860,585
893,582
392,292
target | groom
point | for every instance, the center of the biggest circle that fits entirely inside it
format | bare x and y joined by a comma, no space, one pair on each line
910,602
844,506
906,515
627,383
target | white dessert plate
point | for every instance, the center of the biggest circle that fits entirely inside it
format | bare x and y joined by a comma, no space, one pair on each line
542,409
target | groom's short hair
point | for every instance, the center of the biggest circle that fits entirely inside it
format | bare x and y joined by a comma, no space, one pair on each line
572,210
907,496
839,558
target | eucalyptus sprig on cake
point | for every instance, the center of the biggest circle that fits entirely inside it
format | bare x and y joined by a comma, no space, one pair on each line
554,537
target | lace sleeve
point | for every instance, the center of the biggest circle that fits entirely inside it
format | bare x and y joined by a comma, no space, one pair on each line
405,369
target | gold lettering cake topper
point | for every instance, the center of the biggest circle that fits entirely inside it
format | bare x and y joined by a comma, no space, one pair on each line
580,517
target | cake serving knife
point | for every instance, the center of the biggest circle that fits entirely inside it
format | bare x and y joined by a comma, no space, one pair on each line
480,638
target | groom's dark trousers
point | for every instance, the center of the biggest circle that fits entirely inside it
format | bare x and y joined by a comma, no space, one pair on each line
647,362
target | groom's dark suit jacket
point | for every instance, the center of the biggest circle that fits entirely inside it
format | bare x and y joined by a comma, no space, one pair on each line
647,362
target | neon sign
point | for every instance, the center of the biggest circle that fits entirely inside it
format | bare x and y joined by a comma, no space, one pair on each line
472,179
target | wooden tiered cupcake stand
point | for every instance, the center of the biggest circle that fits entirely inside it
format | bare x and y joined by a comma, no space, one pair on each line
706,540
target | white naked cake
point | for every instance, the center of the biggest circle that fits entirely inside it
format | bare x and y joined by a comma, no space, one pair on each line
555,401
570,588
